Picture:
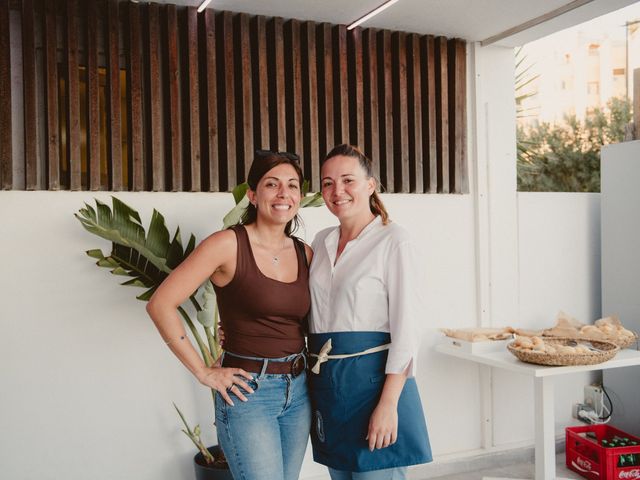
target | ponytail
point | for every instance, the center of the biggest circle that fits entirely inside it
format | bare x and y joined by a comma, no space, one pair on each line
378,208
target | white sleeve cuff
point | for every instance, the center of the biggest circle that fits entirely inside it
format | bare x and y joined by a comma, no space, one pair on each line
401,362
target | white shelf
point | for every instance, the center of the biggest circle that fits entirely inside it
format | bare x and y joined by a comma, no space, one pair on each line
505,360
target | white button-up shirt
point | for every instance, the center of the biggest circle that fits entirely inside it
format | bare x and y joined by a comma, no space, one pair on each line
374,286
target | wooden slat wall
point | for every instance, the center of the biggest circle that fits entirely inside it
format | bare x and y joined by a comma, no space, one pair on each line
372,122
193,110
134,99
204,91
73,97
52,150
457,124
311,152
326,90
246,92
30,94
93,96
6,157
114,121
211,94
155,151
260,32
173,124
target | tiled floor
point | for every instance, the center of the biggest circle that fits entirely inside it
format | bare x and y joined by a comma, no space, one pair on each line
521,471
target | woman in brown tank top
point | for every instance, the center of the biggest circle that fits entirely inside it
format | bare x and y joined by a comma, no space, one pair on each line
260,274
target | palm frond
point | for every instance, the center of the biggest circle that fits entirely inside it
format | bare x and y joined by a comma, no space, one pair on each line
146,258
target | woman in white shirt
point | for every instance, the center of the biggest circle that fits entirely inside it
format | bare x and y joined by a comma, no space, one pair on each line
365,308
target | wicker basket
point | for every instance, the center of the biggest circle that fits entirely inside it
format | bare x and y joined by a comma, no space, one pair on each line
630,341
623,343
607,350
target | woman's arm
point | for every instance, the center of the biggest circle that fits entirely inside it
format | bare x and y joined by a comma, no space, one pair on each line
383,424
214,258
403,282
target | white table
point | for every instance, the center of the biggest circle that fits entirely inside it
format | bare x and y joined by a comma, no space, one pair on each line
545,454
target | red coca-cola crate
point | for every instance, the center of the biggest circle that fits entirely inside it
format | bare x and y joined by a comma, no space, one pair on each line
586,455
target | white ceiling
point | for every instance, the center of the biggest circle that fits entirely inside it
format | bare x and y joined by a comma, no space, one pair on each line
473,20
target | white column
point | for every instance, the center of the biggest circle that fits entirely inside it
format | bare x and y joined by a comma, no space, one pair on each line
494,183
544,430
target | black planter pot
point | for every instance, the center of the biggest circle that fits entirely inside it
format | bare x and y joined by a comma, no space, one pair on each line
204,472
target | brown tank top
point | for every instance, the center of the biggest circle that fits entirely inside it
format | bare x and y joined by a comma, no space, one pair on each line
263,317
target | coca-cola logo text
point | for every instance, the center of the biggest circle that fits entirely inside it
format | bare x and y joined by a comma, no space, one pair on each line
635,473
586,464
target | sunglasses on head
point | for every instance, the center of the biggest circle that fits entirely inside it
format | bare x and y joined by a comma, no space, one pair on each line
268,153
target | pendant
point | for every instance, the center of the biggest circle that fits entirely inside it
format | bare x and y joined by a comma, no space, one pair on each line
275,260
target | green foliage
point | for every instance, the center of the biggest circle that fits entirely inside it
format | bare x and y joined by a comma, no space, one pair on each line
146,258
523,82
566,157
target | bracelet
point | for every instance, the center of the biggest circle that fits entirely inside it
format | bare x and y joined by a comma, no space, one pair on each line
167,342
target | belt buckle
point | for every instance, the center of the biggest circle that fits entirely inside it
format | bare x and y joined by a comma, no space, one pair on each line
297,366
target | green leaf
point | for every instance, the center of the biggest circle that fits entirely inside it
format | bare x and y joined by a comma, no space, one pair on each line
146,259
125,231
158,236
127,221
119,271
146,295
88,212
207,314
314,200
104,213
107,262
234,216
135,282
175,253
95,253
190,246
240,191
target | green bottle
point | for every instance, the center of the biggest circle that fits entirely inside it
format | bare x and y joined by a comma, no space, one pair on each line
635,456
622,461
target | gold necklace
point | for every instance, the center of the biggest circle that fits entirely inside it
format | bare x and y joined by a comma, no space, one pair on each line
275,257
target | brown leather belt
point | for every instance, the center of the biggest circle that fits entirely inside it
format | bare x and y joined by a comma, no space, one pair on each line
293,367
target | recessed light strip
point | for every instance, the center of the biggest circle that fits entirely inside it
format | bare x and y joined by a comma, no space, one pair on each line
372,13
203,5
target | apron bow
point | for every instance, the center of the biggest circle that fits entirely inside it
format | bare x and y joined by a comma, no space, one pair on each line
322,356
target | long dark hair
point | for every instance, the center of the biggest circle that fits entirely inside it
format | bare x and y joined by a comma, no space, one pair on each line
375,203
264,161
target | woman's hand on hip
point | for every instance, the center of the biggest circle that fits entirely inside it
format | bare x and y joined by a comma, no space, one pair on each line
383,426
225,380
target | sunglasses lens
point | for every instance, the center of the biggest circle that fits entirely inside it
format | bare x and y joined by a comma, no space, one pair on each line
291,156
267,153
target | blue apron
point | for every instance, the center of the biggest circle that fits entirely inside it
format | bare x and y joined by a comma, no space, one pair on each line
344,395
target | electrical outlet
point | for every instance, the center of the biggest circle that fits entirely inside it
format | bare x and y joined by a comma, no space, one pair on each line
575,409
593,397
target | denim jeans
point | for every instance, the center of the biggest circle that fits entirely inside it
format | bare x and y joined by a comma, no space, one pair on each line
399,473
265,438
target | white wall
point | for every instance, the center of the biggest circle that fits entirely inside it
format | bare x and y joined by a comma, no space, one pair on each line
87,382
559,269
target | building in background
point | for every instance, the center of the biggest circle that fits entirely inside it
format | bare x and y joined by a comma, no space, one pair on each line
581,68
